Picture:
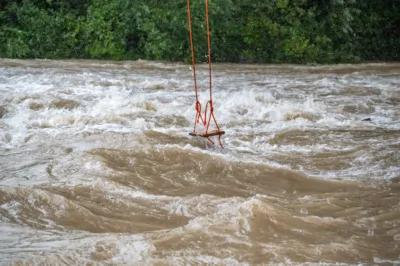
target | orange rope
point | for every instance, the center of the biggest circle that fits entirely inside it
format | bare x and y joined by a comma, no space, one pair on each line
198,105
209,50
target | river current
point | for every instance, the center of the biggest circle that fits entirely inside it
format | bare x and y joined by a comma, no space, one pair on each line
97,166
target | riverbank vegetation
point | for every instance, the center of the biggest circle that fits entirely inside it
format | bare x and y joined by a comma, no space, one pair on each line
264,31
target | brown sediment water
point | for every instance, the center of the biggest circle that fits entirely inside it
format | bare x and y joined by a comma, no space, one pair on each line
97,167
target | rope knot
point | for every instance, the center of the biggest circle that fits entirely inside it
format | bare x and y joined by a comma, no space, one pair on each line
198,106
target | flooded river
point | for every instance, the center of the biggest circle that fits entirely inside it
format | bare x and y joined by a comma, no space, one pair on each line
97,167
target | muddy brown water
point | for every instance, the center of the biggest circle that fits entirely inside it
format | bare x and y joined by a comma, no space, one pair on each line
97,167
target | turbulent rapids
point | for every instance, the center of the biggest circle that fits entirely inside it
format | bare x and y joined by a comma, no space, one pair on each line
98,168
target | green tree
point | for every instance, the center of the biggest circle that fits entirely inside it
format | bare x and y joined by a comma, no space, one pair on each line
268,31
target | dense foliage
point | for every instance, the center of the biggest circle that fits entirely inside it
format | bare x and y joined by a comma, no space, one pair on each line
265,31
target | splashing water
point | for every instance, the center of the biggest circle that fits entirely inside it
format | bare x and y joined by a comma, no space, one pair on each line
97,166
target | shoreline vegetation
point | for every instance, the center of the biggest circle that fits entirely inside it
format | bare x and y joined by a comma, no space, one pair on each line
267,31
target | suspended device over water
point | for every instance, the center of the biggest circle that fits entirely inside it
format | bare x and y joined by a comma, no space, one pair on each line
205,119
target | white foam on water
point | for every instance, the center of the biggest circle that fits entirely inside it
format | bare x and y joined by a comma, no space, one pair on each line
45,246
232,155
203,259
385,262
107,102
